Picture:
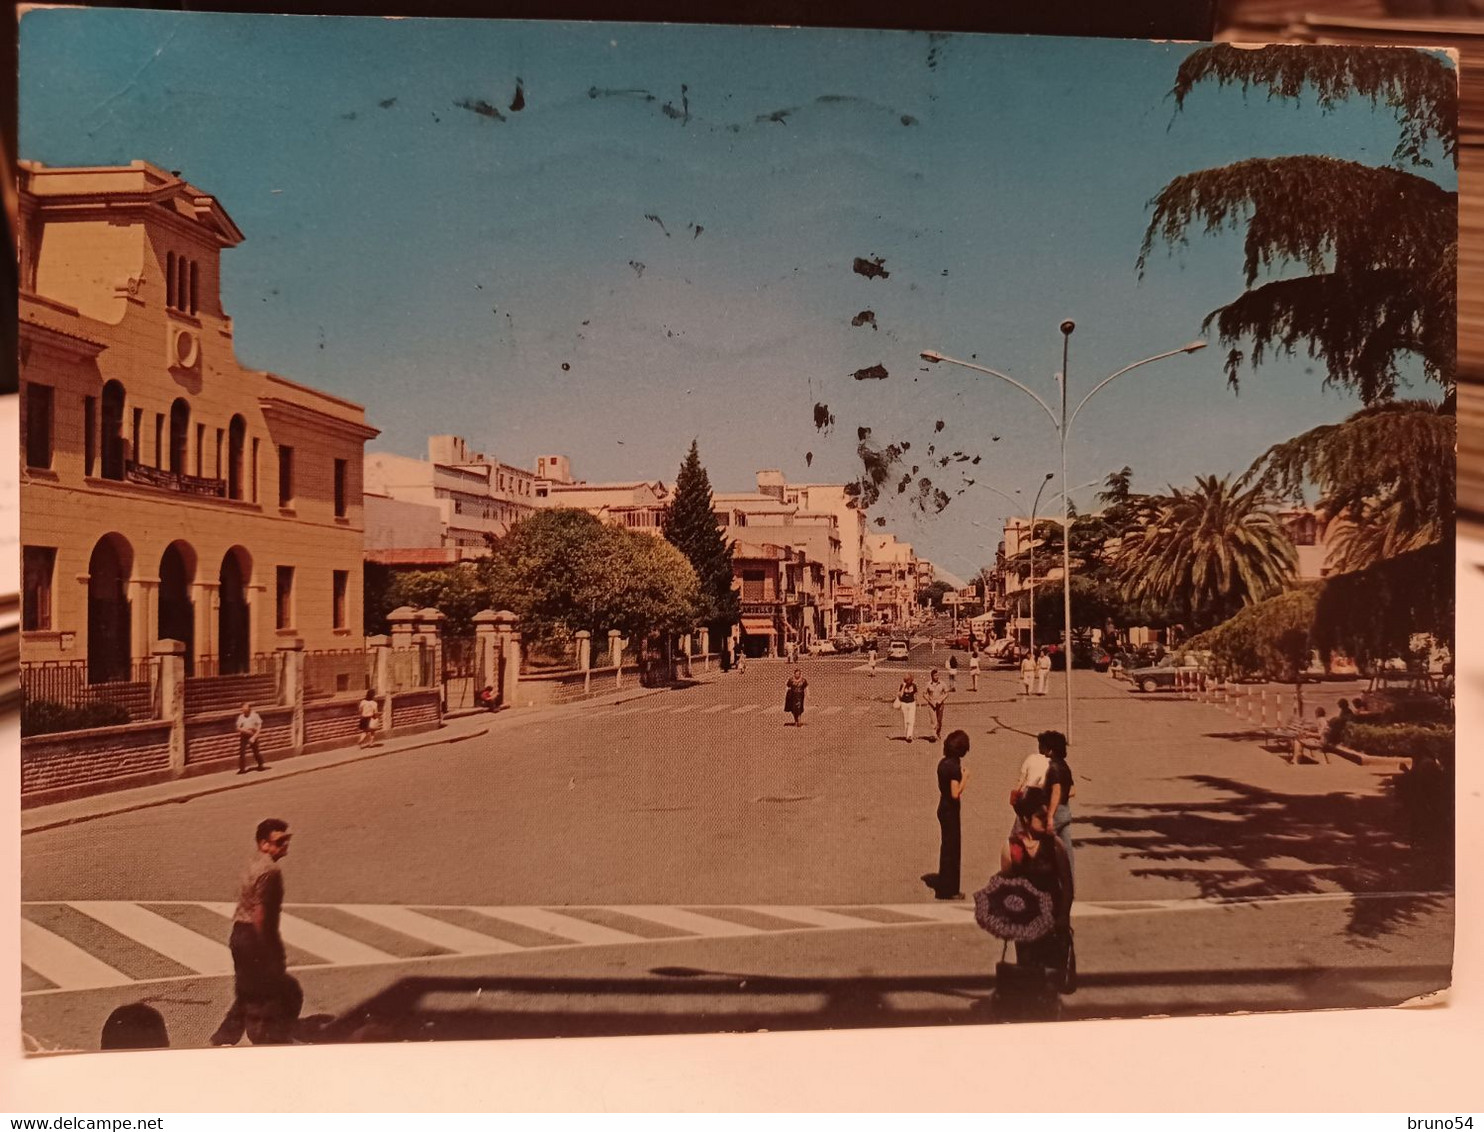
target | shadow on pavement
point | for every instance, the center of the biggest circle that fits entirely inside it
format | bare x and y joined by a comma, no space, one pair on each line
1253,842
681,1000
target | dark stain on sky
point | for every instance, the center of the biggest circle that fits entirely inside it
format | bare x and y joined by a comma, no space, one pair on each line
871,373
824,420
638,268
481,107
518,103
596,92
657,220
348,116
908,120
683,114
779,116
864,318
387,103
871,268
938,426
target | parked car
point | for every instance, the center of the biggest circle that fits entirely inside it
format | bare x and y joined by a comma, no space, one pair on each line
1162,675
823,648
897,650
846,642
1084,655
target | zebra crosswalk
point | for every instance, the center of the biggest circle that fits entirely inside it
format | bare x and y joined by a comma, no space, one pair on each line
91,944
620,711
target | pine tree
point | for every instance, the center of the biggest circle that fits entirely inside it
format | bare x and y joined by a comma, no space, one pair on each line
692,528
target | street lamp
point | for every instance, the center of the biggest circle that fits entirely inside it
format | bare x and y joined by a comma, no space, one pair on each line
1063,422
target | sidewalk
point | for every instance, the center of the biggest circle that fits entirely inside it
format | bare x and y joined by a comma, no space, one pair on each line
456,728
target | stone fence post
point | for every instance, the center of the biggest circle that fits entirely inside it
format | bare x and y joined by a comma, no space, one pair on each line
585,659
507,635
291,686
487,652
615,656
170,658
705,649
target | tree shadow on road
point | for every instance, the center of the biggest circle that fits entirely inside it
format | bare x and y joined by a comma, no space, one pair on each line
1247,842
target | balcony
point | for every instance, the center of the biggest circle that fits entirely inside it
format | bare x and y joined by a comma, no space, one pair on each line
174,481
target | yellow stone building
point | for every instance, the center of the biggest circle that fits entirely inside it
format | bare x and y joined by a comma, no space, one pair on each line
166,490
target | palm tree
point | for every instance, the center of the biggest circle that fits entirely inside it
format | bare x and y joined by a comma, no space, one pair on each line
1386,477
1207,551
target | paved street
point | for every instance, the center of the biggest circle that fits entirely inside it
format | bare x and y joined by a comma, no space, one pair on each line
627,868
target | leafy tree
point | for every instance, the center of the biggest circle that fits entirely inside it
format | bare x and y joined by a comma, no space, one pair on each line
1386,475
458,592
1274,636
691,526
1373,613
562,570
934,594
1207,552
1377,245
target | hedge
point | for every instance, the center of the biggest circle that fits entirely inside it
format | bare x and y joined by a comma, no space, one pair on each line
43,717
1405,742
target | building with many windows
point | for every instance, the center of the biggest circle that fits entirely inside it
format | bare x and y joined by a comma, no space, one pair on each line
167,491
475,497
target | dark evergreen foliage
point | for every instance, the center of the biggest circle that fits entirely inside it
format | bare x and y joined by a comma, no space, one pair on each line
691,526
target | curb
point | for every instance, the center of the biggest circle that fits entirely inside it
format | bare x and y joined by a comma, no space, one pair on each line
222,788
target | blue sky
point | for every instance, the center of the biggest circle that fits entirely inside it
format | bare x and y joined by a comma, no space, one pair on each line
442,267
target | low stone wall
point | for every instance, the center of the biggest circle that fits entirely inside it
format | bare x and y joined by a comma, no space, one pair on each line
67,763
416,711
213,738
331,723
542,689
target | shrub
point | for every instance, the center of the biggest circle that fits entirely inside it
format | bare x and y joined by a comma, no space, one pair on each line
1396,706
1398,741
43,717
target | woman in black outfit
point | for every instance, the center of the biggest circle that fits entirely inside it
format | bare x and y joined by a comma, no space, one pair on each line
793,696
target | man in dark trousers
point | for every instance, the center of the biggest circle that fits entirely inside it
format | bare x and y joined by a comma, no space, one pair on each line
951,780
266,995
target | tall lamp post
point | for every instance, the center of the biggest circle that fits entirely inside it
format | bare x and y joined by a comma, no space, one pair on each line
1062,422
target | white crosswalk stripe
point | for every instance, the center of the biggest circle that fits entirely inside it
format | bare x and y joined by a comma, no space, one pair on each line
860,709
714,708
71,965
833,709
744,709
683,710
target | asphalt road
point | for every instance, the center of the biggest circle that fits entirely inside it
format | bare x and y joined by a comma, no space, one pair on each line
704,798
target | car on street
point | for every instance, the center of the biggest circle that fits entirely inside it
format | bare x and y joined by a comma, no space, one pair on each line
897,650
823,648
845,642
1164,674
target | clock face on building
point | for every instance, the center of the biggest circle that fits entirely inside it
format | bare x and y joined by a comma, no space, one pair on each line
185,348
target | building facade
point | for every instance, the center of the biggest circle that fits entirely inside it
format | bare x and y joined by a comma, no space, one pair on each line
167,491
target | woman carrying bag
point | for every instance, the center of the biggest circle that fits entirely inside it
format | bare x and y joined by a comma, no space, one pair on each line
907,703
793,695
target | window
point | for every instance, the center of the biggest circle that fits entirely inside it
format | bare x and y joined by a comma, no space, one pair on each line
138,428
193,286
285,475
285,597
340,506
37,570
219,435
182,283
113,431
754,586
89,434
180,433
341,586
200,448
170,279
255,469
159,440
236,442
38,425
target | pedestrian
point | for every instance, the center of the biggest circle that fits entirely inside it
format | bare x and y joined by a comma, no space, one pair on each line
953,672
726,658
935,695
871,660
1043,671
368,712
973,670
741,660
907,702
249,724
1035,853
1060,788
793,697
952,778
263,994
487,698
1027,672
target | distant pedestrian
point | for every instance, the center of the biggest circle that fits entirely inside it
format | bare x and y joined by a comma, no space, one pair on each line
1043,671
1027,673
871,660
368,712
952,778
487,698
249,724
1060,788
726,658
935,695
264,992
907,702
793,696
952,672
973,670
741,661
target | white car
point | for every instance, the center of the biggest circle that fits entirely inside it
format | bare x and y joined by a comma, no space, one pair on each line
823,648
897,650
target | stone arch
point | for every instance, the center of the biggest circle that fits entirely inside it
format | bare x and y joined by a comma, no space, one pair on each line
234,625
176,620
110,624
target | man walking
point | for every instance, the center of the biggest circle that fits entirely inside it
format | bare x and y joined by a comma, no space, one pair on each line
952,777
1027,672
935,695
871,660
973,669
266,1001
1043,671
249,723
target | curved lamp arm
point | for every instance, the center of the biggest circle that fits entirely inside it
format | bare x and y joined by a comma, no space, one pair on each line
1188,348
935,357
